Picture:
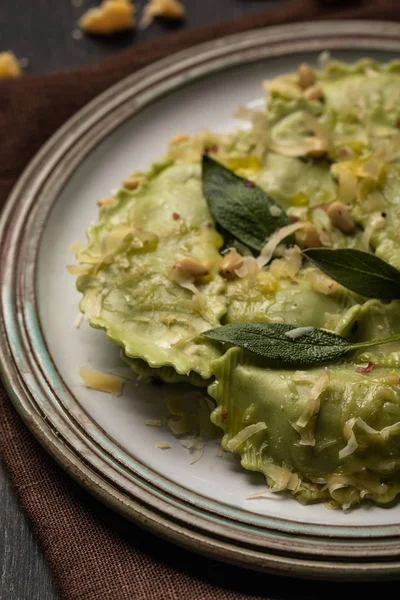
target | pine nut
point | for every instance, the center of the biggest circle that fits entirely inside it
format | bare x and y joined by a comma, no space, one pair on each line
341,217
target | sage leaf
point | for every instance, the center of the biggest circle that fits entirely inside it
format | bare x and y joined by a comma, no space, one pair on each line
358,271
288,344
239,206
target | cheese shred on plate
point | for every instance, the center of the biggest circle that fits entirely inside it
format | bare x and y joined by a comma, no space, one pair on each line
102,382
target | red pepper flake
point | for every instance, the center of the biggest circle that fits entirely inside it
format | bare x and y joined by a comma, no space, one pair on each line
370,366
343,152
139,228
330,286
210,226
212,149
293,219
145,242
293,282
248,183
176,216
224,415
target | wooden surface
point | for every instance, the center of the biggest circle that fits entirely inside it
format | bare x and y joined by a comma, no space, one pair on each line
41,31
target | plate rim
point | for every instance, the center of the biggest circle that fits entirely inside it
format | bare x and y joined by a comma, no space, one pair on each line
21,343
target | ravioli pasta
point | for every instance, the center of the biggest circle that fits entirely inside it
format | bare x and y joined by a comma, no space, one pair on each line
329,433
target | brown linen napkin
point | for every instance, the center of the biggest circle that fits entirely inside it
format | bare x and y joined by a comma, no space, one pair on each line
94,553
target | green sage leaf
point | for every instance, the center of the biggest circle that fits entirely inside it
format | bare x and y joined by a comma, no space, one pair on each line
239,206
358,271
288,344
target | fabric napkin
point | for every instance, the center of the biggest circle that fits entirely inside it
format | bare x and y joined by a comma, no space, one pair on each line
94,553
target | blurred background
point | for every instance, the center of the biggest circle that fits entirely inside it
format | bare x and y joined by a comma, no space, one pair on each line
45,33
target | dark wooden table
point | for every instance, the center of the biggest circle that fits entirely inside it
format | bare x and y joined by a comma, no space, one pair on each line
41,31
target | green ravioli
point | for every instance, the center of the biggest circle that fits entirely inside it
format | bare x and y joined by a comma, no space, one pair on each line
128,291
329,433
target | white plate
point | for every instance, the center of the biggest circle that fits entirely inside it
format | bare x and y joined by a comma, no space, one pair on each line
101,440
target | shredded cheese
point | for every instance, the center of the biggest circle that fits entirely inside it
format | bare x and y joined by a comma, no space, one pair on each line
263,494
79,269
274,241
287,266
275,210
249,268
163,446
183,279
199,456
244,435
298,332
194,444
106,201
305,424
102,382
322,283
284,478
352,443
78,320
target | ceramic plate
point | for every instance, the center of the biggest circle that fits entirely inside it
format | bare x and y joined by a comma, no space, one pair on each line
101,440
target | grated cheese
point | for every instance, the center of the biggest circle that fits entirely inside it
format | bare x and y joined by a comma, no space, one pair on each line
352,443
182,279
275,210
199,456
263,494
289,265
78,320
194,444
305,424
79,269
322,283
163,446
106,201
244,435
284,478
298,332
102,382
249,268
274,241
